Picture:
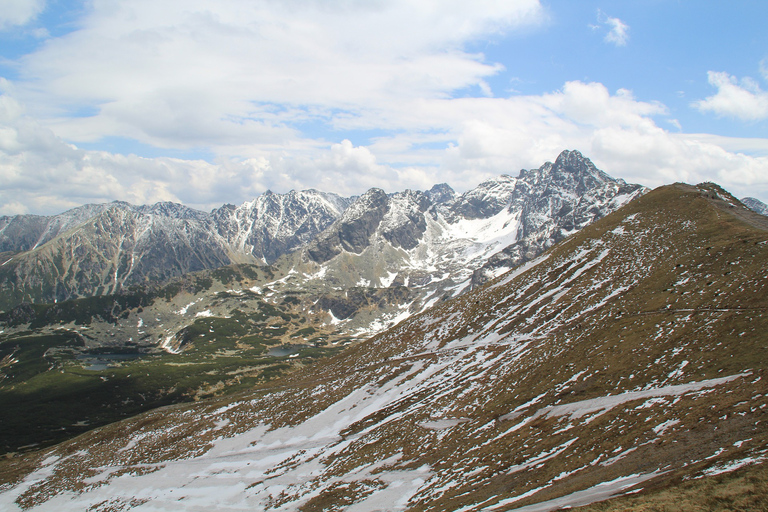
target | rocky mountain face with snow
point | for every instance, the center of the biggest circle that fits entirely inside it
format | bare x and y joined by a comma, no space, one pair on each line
439,244
436,241
755,205
102,249
624,360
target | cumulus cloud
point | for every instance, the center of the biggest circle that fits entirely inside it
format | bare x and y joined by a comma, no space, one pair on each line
19,12
244,80
460,141
42,174
618,33
615,130
185,73
738,99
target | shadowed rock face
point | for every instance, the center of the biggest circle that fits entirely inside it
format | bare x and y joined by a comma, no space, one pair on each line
353,231
406,230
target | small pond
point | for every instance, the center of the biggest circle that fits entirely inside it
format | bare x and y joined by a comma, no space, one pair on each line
286,350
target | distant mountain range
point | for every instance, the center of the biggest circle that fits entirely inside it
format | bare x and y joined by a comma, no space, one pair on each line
755,205
435,240
626,360
102,249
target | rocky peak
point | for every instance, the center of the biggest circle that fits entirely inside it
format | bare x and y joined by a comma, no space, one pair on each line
755,205
404,222
353,231
274,224
486,200
441,193
577,174
555,201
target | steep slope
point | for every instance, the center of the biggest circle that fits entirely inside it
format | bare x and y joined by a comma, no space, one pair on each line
119,246
630,356
25,232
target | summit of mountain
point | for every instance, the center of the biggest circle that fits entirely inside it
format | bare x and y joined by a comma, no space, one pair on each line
441,193
557,200
629,356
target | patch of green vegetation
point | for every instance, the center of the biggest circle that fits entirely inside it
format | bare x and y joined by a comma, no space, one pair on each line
30,354
226,275
171,290
201,284
274,371
80,311
318,352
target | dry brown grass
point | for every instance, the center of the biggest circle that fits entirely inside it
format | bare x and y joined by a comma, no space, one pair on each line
744,490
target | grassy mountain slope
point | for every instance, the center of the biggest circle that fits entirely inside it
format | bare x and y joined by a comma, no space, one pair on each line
632,356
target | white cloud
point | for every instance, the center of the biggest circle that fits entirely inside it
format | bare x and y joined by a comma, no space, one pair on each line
244,79
619,31
185,73
19,12
742,100
460,141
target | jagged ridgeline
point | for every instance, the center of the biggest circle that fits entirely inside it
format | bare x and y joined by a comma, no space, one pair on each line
435,238
102,249
630,358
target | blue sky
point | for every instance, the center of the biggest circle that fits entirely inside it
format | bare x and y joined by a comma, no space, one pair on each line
205,102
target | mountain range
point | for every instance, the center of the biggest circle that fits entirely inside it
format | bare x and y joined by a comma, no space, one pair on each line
435,239
626,362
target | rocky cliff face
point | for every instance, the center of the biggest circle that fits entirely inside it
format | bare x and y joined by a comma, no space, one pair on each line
352,232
